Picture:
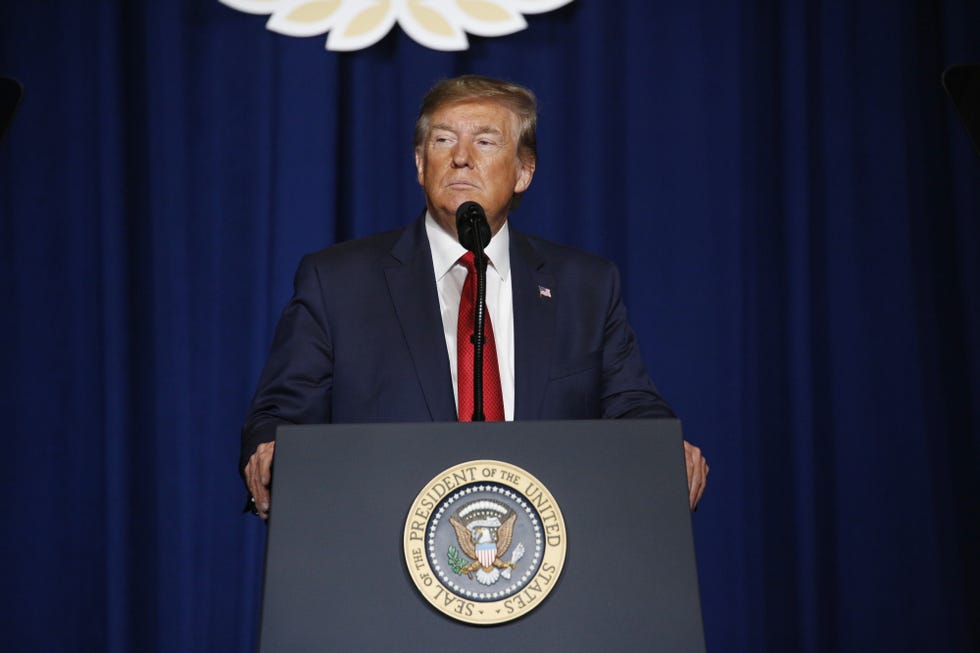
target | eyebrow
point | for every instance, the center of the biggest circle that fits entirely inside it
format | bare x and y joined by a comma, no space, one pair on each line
485,129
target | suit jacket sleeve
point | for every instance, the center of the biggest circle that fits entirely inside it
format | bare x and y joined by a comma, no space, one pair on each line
296,383
627,390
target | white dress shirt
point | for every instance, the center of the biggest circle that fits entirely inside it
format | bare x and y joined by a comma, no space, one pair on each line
450,276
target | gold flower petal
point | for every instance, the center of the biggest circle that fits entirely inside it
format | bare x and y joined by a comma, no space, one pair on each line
366,20
430,19
313,12
484,10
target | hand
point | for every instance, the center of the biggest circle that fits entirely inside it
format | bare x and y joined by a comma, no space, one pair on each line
258,476
697,472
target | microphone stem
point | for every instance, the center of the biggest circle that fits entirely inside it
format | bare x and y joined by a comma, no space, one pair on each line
479,331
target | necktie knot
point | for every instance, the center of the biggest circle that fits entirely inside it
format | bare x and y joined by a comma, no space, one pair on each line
468,260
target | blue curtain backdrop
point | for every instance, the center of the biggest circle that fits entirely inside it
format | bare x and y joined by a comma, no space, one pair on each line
791,199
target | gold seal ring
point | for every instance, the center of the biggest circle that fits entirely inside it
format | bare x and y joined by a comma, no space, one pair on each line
485,542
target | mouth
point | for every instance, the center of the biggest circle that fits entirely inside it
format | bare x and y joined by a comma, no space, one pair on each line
460,184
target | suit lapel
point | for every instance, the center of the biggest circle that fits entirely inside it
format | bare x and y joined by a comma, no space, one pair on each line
534,325
411,283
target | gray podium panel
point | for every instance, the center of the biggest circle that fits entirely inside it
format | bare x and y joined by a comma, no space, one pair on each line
336,580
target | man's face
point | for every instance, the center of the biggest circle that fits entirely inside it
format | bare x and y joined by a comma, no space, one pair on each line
470,153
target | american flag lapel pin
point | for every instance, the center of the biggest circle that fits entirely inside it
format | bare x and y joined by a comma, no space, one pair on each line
544,292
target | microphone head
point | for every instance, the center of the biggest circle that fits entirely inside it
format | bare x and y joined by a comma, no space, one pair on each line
472,227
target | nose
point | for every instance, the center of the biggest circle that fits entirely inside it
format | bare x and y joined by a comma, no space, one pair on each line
461,155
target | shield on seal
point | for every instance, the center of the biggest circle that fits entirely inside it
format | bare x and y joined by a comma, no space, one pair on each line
486,553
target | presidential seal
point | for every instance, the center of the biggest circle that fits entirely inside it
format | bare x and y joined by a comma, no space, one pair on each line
484,542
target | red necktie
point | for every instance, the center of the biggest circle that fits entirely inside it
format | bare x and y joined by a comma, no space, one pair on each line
493,398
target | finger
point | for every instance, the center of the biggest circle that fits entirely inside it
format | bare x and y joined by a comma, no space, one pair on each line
262,497
266,451
695,489
257,477
696,495
251,475
702,484
263,477
695,464
692,460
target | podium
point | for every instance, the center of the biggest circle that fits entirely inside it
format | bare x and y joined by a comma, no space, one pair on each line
336,577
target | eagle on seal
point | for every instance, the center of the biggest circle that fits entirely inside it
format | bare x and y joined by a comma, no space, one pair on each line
485,541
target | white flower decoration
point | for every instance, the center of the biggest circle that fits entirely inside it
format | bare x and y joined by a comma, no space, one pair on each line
357,24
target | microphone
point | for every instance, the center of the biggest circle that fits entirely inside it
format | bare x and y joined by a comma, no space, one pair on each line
472,227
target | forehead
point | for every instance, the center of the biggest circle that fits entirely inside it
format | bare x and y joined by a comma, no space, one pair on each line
475,115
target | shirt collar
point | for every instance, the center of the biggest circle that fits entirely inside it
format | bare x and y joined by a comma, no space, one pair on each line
446,250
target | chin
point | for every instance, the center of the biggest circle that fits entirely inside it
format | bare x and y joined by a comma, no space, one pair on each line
458,198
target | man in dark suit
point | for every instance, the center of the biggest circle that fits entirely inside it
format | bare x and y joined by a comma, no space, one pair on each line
370,334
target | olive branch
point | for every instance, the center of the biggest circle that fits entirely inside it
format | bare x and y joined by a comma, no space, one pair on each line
456,561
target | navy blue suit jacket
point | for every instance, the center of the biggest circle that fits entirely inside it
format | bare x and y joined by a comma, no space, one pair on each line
362,340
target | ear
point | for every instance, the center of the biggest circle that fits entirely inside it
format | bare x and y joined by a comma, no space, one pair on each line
420,165
525,173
